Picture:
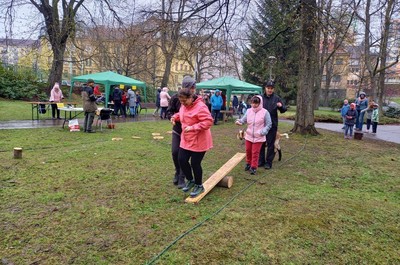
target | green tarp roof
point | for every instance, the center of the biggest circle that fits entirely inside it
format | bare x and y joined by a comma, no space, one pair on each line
230,84
111,78
108,79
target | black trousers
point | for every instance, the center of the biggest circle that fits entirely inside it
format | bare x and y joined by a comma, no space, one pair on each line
176,141
195,164
55,109
216,115
270,148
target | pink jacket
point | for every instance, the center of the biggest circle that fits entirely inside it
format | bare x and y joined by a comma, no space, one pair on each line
56,94
199,139
164,97
258,123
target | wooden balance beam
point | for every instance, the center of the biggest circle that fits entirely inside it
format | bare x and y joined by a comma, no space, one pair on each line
217,177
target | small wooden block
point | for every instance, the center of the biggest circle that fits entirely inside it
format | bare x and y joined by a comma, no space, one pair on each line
17,152
135,137
155,134
169,132
116,139
217,176
158,137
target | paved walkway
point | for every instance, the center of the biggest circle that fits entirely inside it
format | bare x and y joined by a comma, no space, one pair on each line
390,133
43,123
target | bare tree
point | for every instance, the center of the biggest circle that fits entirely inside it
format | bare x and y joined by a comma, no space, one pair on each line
60,22
174,18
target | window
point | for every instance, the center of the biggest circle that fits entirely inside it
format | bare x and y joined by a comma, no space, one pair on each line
336,78
176,67
339,61
181,67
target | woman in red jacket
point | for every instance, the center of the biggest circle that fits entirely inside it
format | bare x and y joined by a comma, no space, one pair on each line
196,138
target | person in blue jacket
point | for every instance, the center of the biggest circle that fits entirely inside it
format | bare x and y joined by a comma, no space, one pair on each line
343,112
361,104
216,105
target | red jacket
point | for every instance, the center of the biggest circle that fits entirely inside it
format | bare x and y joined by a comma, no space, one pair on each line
198,116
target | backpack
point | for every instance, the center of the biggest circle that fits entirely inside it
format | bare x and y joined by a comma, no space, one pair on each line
42,108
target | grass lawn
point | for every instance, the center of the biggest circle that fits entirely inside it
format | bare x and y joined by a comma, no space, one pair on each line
78,198
397,100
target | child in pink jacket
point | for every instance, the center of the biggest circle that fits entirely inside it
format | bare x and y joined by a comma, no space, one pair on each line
196,138
258,122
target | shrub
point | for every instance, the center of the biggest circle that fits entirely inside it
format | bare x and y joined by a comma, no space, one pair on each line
18,84
335,103
392,112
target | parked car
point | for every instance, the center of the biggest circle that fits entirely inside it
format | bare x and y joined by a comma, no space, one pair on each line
66,83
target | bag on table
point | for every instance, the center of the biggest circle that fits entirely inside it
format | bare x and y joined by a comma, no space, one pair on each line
73,125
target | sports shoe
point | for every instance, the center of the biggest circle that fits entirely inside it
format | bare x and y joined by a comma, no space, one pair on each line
267,166
247,167
197,190
189,186
252,171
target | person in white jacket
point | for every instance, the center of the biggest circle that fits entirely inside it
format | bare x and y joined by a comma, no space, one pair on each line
56,96
164,99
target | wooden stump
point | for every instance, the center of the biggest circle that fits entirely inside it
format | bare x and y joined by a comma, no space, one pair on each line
358,135
226,182
17,152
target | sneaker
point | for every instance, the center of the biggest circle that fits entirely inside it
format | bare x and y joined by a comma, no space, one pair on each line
366,131
252,171
197,190
189,186
247,167
267,166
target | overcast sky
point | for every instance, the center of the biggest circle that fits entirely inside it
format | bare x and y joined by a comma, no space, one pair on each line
27,17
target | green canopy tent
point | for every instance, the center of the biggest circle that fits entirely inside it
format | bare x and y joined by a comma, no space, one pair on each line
108,79
231,86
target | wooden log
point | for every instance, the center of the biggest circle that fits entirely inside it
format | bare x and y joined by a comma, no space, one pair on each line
17,152
226,182
217,176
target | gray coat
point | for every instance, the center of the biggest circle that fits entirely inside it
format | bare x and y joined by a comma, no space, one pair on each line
131,98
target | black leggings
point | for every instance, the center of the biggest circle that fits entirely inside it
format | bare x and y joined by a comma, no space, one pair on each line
195,164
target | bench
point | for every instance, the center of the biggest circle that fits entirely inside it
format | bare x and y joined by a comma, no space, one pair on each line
146,105
226,114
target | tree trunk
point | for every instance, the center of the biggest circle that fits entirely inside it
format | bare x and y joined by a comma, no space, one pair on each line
57,66
304,122
384,53
167,72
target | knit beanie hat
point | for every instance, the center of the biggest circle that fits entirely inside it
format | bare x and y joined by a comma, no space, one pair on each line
188,82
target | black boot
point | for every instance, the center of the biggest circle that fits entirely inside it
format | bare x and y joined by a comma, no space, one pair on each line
176,179
181,182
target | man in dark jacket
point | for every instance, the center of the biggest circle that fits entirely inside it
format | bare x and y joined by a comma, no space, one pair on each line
173,107
117,98
89,106
272,103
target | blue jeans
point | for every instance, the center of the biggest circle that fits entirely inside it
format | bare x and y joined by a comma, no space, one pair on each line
349,128
360,119
132,111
